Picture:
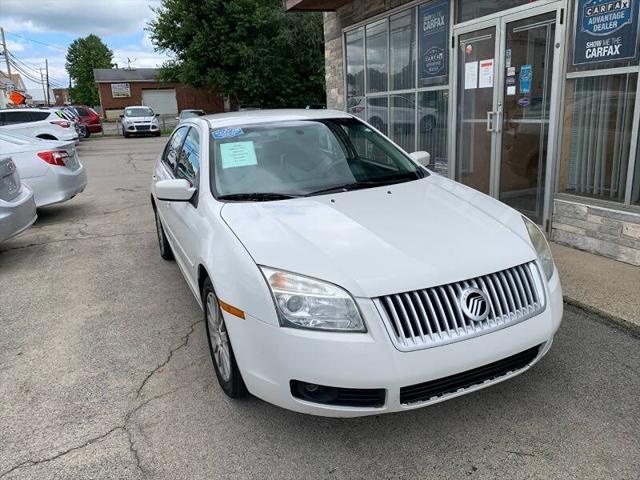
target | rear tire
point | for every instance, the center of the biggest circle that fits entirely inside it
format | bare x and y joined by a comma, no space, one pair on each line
126,135
165,248
222,356
87,134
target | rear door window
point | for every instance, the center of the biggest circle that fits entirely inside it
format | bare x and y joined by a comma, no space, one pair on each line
37,116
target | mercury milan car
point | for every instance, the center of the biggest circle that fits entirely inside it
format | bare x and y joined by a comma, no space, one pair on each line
139,121
340,277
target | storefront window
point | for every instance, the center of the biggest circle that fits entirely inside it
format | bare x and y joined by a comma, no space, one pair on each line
402,41
403,120
377,67
598,131
378,113
470,9
432,127
355,72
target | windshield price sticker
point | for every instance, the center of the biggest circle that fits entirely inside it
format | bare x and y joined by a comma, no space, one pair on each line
238,154
606,30
224,133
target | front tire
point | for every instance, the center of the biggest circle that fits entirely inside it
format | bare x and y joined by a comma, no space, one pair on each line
224,361
163,242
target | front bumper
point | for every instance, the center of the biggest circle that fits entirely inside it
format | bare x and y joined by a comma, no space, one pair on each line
269,357
142,128
58,185
17,215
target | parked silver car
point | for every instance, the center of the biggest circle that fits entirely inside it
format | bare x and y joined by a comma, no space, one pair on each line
17,207
138,121
51,169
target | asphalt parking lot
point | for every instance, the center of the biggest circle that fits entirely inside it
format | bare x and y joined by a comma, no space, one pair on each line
105,373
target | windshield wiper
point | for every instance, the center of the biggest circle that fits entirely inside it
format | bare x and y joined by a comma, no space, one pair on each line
359,185
256,196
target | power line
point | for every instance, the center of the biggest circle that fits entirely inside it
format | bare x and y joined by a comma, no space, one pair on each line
34,71
36,41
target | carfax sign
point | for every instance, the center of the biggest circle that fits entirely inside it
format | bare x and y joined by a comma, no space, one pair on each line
434,40
606,31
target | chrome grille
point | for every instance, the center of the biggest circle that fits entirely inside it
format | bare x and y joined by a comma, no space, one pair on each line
433,316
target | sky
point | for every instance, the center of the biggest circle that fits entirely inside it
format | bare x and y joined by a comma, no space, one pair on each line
39,29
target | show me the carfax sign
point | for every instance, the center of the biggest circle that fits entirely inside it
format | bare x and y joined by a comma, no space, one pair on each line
605,31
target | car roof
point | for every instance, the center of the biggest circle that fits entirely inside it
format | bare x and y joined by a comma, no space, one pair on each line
234,119
32,109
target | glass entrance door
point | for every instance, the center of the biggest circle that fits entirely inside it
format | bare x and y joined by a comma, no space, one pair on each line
504,110
526,99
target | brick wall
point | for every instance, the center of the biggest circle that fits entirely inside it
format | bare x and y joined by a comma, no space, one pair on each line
612,233
186,97
334,22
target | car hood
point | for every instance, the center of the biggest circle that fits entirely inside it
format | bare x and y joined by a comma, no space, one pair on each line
385,240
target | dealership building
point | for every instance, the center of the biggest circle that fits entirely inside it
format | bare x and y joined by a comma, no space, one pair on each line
532,102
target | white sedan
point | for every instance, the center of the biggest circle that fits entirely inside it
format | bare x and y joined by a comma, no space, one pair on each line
340,277
50,168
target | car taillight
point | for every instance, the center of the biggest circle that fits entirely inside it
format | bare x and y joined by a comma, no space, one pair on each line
61,123
54,157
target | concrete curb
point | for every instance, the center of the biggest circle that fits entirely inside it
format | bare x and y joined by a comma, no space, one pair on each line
619,322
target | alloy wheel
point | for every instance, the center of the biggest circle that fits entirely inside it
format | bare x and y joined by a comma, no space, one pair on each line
219,337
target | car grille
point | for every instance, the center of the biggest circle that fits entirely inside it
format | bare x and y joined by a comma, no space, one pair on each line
142,127
424,392
434,316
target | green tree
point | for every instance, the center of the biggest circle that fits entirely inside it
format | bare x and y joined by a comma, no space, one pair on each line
251,51
83,55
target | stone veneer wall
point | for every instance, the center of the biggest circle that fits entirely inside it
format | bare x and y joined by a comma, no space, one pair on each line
354,12
612,233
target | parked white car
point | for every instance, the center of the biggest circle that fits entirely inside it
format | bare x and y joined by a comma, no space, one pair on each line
17,208
38,123
50,168
340,277
139,121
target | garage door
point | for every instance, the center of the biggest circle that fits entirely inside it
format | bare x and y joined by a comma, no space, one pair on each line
162,101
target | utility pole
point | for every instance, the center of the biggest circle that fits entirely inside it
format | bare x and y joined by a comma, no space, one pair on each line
6,55
46,64
44,94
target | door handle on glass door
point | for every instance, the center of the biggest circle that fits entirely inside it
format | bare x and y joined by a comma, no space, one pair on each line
490,121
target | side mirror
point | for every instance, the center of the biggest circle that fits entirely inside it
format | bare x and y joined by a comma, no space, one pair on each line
157,115
177,118
174,190
423,158
121,116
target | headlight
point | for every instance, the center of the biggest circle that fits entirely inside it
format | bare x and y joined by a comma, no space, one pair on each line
539,242
304,302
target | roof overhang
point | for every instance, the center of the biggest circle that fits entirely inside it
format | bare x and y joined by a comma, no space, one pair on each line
314,5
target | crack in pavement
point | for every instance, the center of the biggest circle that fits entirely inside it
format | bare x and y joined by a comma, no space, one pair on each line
31,463
86,237
185,342
125,426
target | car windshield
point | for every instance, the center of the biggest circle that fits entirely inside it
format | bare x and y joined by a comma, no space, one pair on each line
278,160
191,113
138,112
